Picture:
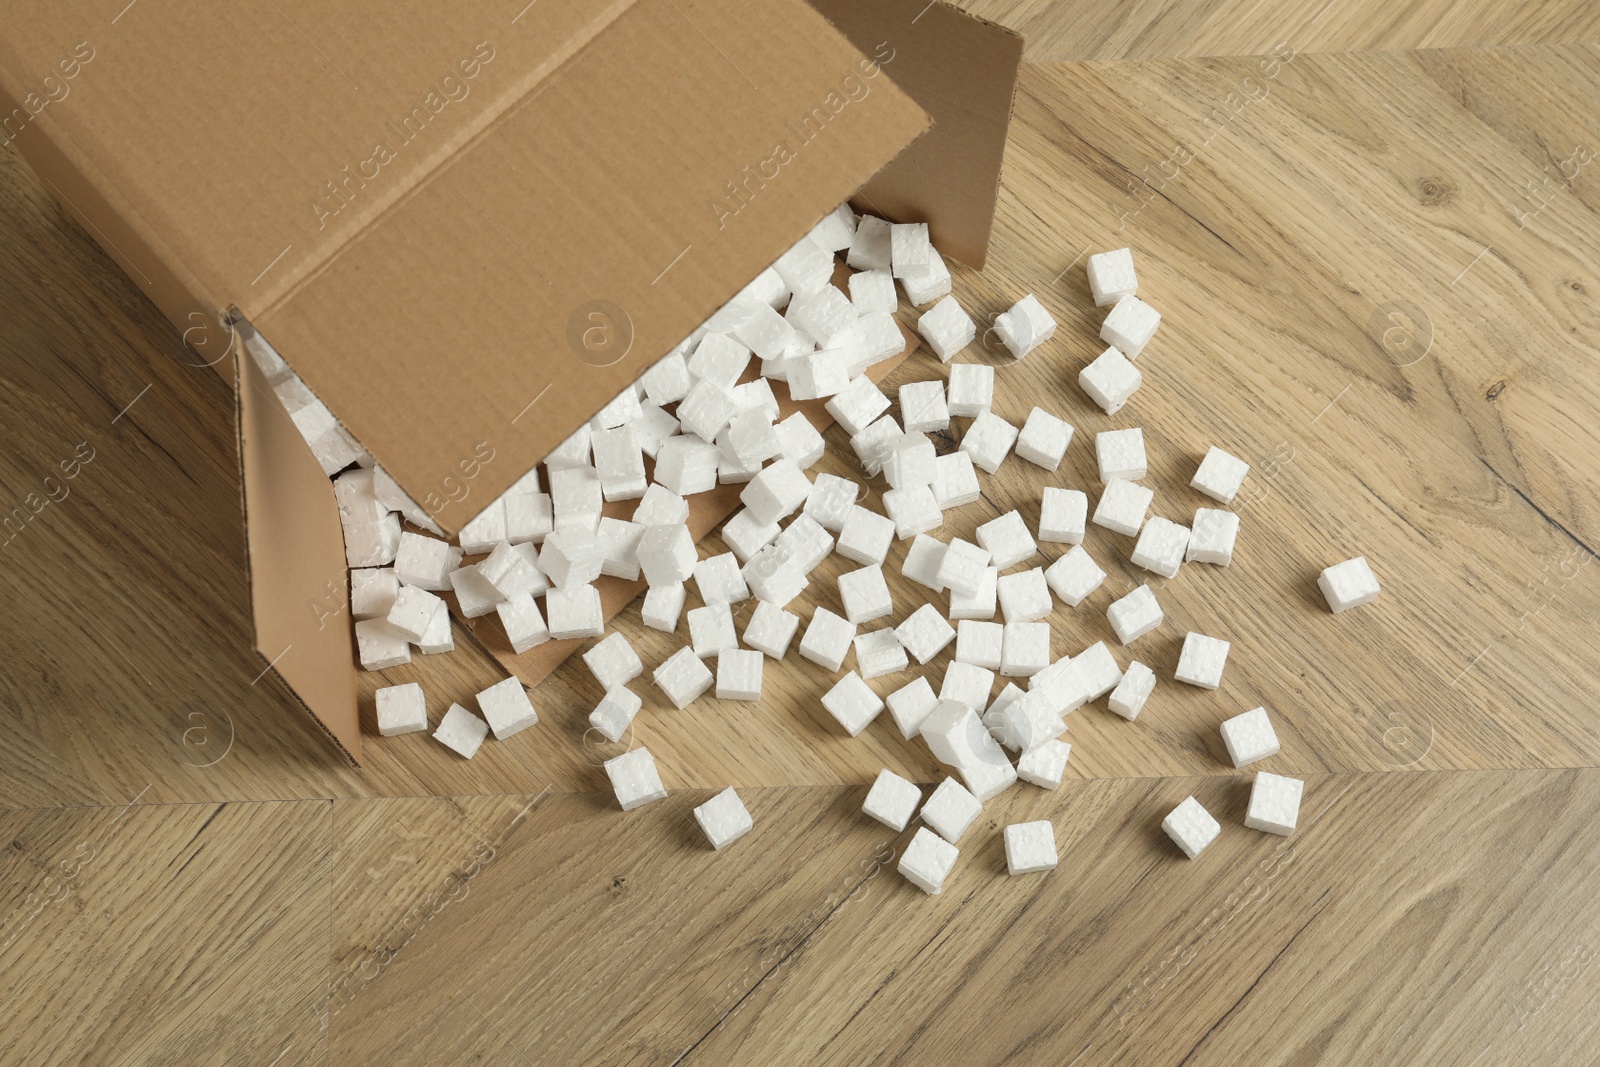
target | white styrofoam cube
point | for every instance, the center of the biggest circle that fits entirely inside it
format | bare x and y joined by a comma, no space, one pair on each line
746,536
925,633
372,544
511,571
719,360
873,290
775,575
663,604
951,809
967,683
1111,276
506,708
529,517
739,674
770,629
619,463
929,284
922,407
852,703
961,567
872,444
955,480
947,328
474,595
683,677
910,251
1220,475
924,558
982,644
836,230
1027,647
776,492
865,595
1274,803
402,709
988,440
574,612
1161,547
805,267
1024,596
660,506
523,622
1128,698
979,604
879,652
412,611
871,248
1130,325
1202,660
911,704
1249,737
892,800
620,410
806,542
1212,536
438,637
1120,454
1191,827
1044,439
724,819
766,332
1063,514
1122,506
751,438
619,543
687,465
570,557
666,554
830,501
1024,326
1110,380
372,591
1023,720
461,731
1134,615
909,460
756,397
928,860
613,661
1096,670
971,389
1030,847
615,713
634,778
719,580
1007,540
425,562
667,381
711,630
707,410
825,314
1044,764
572,452
827,639
1348,585
876,337
802,444
576,497
913,510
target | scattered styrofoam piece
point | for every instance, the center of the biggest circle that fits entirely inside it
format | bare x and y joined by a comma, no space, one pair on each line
1202,660
1030,847
1249,737
1274,803
1191,827
724,819
1348,585
402,709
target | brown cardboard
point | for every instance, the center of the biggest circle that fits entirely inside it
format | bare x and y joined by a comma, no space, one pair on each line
962,70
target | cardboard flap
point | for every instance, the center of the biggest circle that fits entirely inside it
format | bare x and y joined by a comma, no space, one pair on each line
655,173
962,70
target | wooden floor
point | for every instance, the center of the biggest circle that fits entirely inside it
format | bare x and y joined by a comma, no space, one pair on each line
1377,271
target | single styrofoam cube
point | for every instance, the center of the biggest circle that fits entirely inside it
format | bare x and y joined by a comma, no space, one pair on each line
766,332
1110,380
827,639
1220,475
909,460
711,629
438,637
911,704
805,267
865,595
925,633
619,462
574,612
853,703
955,481
1201,661
708,408
971,389
510,570
412,611
1212,536
570,557
1191,827
402,709
910,251
865,536
924,558
1096,670
825,314
1348,585
739,674
687,465
666,554
948,329
730,468
1274,803
806,542
819,374
461,731
922,407
746,536
752,439
967,683
662,606
653,427
425,562
1025,720
615,713
988,440
506,708
576,497
756,396
913,510
1111,276
1024,596
372,544
634,778
1007,540
802,444
775,575
873,290
892,800
872,445
474,595
1122,506
1030,847
523,622
372,591
572,452
613,662
667,381
356,497
660,506
928,860
724,819
1161,546
1024,326
1249,737
871,248
683,677
980,604
719,580
929,284
1129,697
950,809
1044,439
620,410
1044,764
619,541
981,644
1134,615
830,501
1027,647
879,652
776,492
961,567
836,230
530,517
770,629
1062,515
876,337
1130,325
719,360
1120,454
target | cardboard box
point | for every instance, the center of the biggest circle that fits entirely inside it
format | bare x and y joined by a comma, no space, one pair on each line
425,207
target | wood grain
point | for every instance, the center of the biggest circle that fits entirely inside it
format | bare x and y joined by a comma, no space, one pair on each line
259,899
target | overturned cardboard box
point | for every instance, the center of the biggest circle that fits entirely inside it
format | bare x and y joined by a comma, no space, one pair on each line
467,227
